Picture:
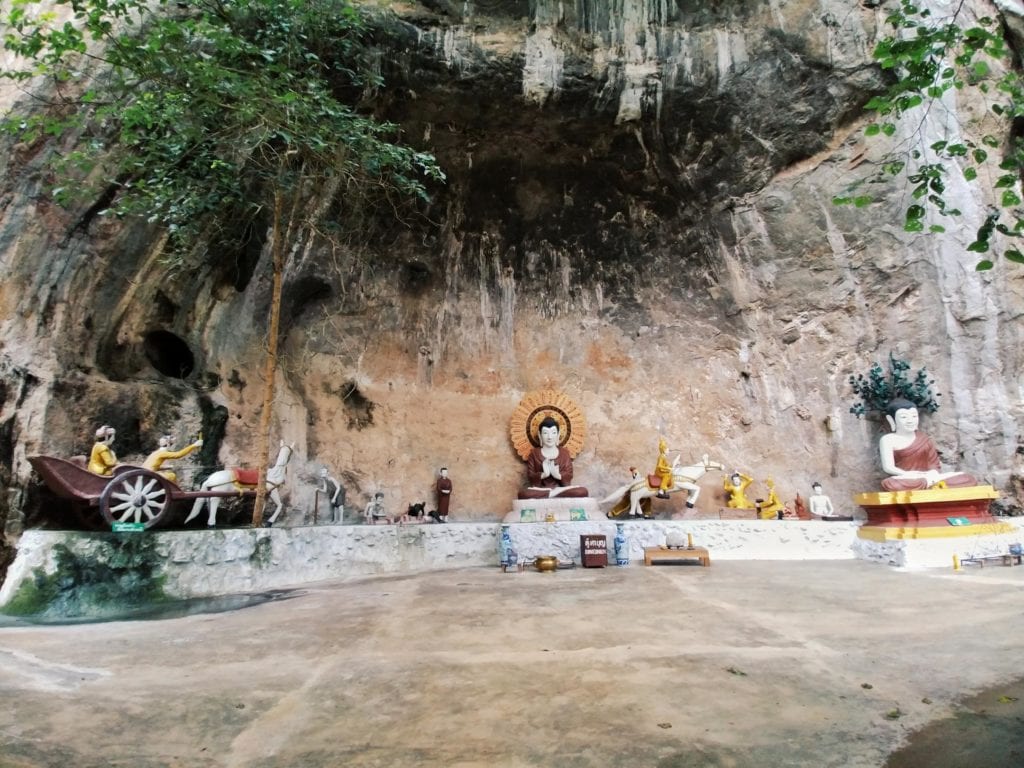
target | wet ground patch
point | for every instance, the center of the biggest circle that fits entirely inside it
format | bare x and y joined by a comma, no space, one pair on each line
166,609
986,730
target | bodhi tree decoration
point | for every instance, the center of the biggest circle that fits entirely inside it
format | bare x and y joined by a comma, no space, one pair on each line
929,56
192,112
878,388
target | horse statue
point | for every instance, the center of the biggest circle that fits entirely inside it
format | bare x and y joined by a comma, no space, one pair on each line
242,480
634,497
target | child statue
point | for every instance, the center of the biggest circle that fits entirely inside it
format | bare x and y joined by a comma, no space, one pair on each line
375,512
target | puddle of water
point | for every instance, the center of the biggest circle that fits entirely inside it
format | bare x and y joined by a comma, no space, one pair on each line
986,731
172,609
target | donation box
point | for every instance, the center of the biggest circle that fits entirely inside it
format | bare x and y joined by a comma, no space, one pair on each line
594,551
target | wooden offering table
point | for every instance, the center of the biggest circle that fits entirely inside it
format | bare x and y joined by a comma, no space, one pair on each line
652,554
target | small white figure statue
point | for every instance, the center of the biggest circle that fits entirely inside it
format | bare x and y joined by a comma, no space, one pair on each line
821,505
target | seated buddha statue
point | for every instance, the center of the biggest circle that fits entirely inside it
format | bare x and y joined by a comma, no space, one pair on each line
549,467
909,456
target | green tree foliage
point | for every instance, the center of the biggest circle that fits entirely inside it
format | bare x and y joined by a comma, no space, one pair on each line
928,57
187,112
191,109
877,388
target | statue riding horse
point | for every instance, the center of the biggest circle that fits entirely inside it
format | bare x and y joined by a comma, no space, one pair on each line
633,498
244,480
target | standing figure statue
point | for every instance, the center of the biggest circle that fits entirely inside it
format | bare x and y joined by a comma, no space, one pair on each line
910,456
444,495
155,460
102,458
549,467
735,485
334,492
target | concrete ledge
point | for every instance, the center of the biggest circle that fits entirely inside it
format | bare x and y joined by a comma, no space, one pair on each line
233,561
239,560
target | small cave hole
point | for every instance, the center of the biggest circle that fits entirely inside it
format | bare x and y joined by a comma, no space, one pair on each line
416,277
169,354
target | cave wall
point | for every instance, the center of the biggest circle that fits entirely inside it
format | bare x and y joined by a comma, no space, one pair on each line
637,212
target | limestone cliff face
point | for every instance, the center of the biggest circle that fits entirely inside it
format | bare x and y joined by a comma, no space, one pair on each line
638,212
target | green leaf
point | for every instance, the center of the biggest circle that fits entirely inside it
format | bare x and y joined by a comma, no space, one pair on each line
1014,255
862,201
872,129
970,173
983,265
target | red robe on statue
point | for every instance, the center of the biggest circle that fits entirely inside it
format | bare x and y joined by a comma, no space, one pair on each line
921,456
541,488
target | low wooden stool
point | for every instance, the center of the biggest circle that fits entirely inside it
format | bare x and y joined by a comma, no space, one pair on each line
652,554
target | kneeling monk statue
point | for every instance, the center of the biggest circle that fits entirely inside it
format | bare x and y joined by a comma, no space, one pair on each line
549,467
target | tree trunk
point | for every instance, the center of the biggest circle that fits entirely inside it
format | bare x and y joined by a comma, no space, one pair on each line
270,367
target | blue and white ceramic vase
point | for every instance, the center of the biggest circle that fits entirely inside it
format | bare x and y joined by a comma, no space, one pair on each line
621,545
504,546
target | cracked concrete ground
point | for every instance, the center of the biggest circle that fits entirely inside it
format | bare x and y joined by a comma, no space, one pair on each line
740,664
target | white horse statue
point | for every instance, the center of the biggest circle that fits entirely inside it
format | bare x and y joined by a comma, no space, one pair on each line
630,496
242,480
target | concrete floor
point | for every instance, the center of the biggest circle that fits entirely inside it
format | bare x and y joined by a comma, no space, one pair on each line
741,664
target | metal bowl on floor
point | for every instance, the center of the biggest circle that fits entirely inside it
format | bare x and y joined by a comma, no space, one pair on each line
546,563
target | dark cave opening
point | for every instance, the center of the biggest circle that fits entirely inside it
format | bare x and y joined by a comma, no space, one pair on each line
169,354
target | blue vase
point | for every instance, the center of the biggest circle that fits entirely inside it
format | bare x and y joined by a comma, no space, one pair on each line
504,546
621,545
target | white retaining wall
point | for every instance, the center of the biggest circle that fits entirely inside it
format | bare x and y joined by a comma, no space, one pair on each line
243,560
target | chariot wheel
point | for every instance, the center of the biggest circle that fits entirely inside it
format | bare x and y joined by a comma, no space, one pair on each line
136,496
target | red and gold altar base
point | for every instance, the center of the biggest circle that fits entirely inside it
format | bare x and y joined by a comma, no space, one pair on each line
933,513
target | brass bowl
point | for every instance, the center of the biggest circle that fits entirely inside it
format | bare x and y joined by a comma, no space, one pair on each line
546,563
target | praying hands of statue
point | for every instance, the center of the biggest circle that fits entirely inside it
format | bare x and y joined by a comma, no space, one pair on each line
550,469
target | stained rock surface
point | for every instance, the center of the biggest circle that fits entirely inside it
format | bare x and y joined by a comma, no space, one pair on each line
637,213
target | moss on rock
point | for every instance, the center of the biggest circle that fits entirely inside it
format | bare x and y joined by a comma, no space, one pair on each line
116,571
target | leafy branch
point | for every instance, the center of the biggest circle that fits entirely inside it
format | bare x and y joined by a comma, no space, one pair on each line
929,57
878,388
